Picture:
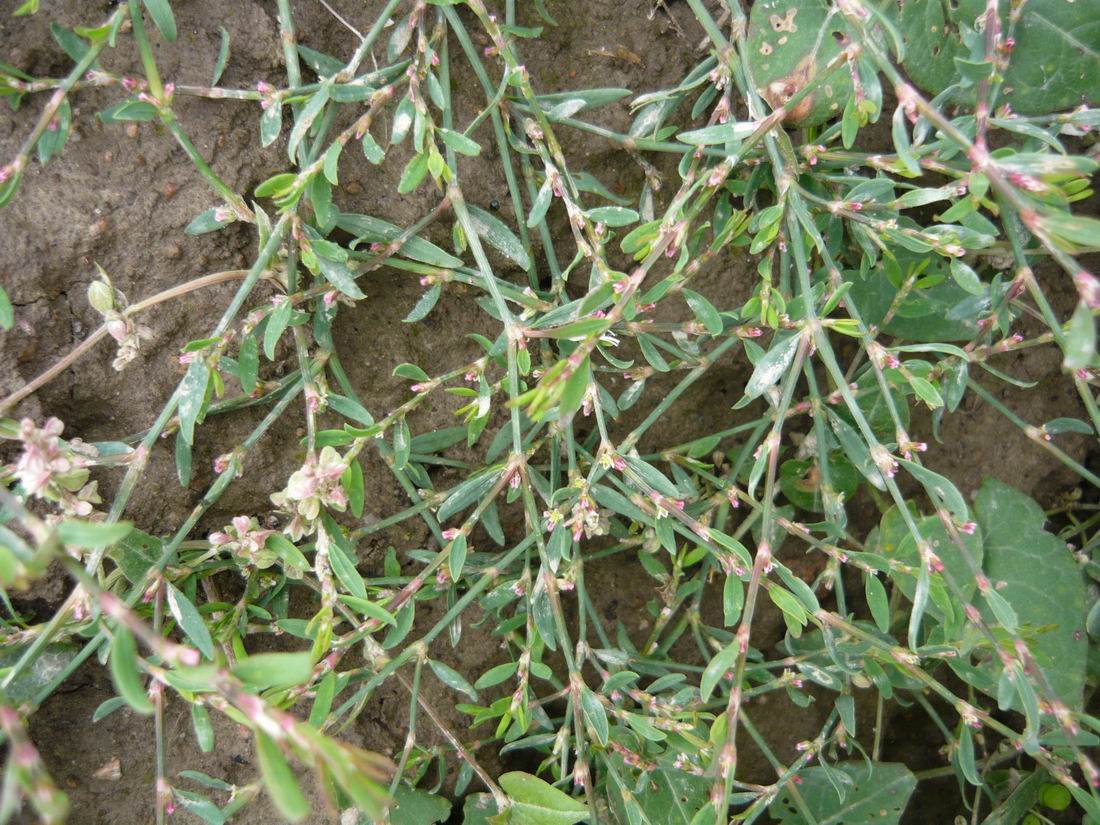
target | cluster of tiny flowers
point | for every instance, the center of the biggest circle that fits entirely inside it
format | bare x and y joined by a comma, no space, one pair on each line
54,469
247,541
587,519
314,485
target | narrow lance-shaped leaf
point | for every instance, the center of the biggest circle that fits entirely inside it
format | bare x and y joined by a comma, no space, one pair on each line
192,395
125,674
279,780
497,234
772,366
189,619
535,802
161,12
1080,343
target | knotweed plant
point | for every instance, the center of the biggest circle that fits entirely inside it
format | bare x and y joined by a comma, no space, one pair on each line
887,283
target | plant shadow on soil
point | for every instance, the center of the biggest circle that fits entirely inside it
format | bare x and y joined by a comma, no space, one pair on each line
121,195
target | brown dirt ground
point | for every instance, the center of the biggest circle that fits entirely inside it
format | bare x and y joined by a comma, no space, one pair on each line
120,196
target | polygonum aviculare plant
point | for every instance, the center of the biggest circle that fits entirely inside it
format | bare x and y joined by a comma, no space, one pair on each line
893,178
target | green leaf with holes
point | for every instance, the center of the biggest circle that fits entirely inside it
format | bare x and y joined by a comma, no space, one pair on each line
869,794
669,797
790,43
1054,65
413,807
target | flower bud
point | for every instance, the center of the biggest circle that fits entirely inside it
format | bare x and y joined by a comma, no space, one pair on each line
101,296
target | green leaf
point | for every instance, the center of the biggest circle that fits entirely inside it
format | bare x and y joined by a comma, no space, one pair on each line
773,365
456,559
105,709
310,112
1080,343
290,555
953,558
925,391
38,673
612,216
966,277
733,600
594,715
718,133
965,756
412,807
425,305
136,554
161,13
204,729
452,678
371,150
414,173
790,605
53,140
223,57
352,482
1002,610
479,808
340,277
669,797
279,780
248,363
877,601
704,312
207,221
7,311
496,233
941,490
199,806
1037,576
1053,66
402,444
459,142
496,675
189,619
535,802
332,162
277,323
789,43
438,440
410,371
343,564
466,493
271,123
716,668
192,396
92,535
265,670
731,544
276,185
125,674
542,203
369,609
322,700
370,229
876,794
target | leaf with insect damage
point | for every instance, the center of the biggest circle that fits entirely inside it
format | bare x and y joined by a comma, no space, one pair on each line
790,43
1054,64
